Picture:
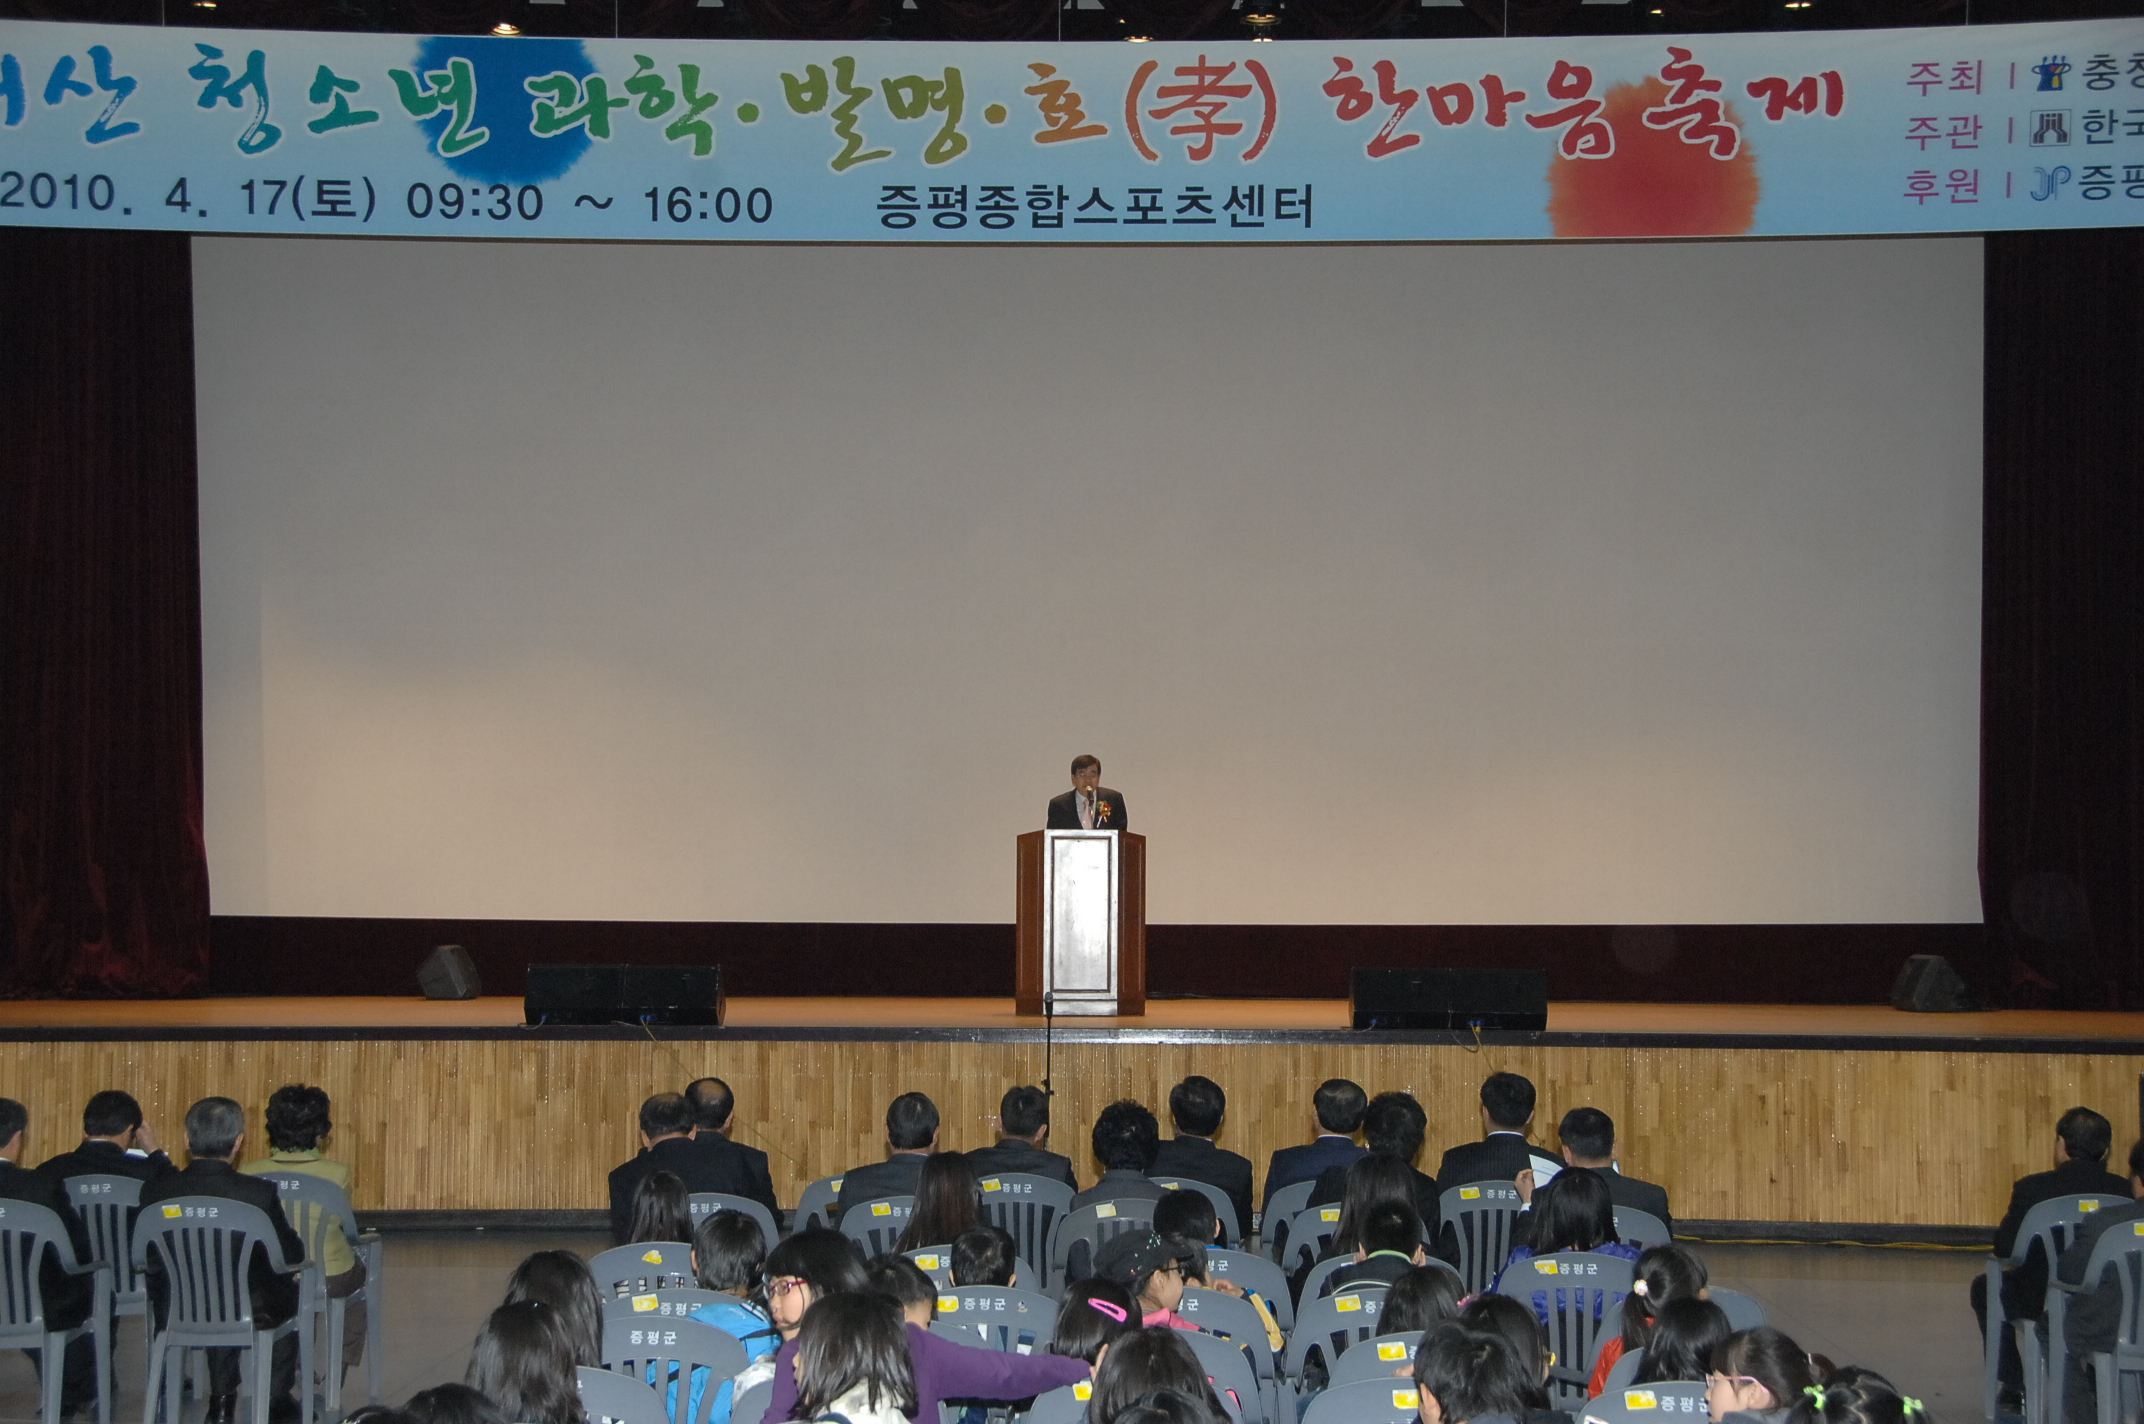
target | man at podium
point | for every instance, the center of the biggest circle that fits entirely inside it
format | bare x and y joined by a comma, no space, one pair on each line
1089,805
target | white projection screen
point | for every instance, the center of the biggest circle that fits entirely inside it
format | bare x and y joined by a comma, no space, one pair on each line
1588,584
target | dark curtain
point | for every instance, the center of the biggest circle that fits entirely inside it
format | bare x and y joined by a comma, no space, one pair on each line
101,860
2062,638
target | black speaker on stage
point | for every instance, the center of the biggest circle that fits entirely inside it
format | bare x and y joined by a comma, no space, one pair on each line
1449,998
590,994
449,973
1926,984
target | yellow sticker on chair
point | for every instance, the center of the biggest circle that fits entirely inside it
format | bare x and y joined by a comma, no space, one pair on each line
1106,1209
1546,1268
992,1184
834,1185
653,1258
1392,1350
1406,1399
644,1304
174,1210
1345,1303
1470,1193
882,1208
947,1304
2136,1228
1640,1399
2091,1205
1172,1186
928,1263
1084,1390
1330,1213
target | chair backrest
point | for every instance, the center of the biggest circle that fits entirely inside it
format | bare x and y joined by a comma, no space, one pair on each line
1480,1215
1744,1312
1231,1318
1280,1211
2120,1250
1223,1207
1365,1402
1002,1318
815,1208
642,1267
1094,1224
107,1205
2053,1224
1377,1358
314,1206
876,1225
1647,1404
667,1304
1255,1273
1028,1209
1623,1371
1574,1294
26,1229
935,1262
1060,1406
1310,1233
1230,1372
705,1204
608,1395
1330,1325
751,1406
1641,1228
203,1246
673,1349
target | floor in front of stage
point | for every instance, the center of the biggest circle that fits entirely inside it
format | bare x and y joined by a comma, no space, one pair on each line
1241,1015
1901,1312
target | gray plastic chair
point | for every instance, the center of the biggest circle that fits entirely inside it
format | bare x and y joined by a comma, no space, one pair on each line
1236,1321
751,1406
935,1262
1376,1358
1002,1318
1028,1209
203,1248
705,1204
875,1225
1641,1228
1091,1226
666,1353
1326,1270
608,1395
1332,1325
816,1207
1623,1371
2051,1225
1744,1312
1279,1212
311,1203
27,1231
1365,1402
1647,1404
1575,1295
1255,1273
1229,1369
1223,1208
642,1267
107,1205
2122,1252
669,1303
2127,1357
1309,1235
1060,1406
1480,1214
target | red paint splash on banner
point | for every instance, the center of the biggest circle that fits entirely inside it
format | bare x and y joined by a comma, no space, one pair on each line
1654,185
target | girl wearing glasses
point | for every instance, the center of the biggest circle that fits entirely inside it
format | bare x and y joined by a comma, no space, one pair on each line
1757,1377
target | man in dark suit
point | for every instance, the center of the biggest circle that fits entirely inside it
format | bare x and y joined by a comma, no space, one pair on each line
1394,1126
215,1134
68,1298
1089,805
2082,1141
1023,1127
1588,1137
912,1133
666,1145
1197,1106
2092,1317
1338,1106
714,1108
1507,1111
115,1143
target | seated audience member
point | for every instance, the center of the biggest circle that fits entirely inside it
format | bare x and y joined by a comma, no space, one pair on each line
1023,1127
1393,1126
986,1256
1190,1215
803,1267
1151,1269
2091,1318
905,1283
743,1168
451,1404
728,1249
298,1123
2082,1141
523,1362
1093,1315
68,1298
1337,1108
1757,1377
215,1132
1571,1213
1462,1375
1856,1396
1521,1330
853,1363
1507,1112
912,1134
561,1280
1125,1139
1420,1299
1144,1363
115,1142
1168,1406
1388,1246
1662,1274
666,1146
1198,1107
948,1203
1680,1341
661,1210
1588,1137
1372,1181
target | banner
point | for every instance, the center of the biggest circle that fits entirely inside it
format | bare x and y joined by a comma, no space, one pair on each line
1759,135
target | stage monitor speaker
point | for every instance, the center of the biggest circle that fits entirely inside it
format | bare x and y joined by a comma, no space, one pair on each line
1449,998
583,995
449,973
1926,984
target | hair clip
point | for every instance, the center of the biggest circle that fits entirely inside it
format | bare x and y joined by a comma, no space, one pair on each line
1638,1288
1109,1308
1815,1392
1912,1406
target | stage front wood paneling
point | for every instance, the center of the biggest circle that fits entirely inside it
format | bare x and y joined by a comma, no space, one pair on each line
437,1113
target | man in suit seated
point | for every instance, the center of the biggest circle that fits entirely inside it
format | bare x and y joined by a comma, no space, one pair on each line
1023,1130
1198,1106
1391,1246
2093,1316
1588,1137
115,1143
1089,805
665,1146
1337,1107
912,1133
67,1298
2082,1141
1126,1140
1507,1111
1395,1125
215,1134
744,1168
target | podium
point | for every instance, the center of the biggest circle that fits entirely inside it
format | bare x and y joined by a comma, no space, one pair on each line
1082,923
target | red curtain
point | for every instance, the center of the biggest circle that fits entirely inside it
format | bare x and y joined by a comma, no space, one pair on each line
101,860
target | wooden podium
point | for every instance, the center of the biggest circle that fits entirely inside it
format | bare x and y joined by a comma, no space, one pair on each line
1082,923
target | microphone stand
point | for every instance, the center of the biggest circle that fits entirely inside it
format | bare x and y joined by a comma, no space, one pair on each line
1049,1026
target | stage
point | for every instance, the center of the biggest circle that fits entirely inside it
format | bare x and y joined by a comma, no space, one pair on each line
1808,1116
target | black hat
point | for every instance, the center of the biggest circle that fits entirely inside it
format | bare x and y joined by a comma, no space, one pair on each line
1124,1259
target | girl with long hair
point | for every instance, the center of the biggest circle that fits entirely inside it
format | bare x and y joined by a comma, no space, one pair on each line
949,1203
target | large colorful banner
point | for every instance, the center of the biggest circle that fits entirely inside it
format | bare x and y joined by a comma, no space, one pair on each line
1889,131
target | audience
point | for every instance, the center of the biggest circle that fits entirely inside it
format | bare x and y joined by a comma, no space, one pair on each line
853,1363
662,1212
449,1404
948,1203
912,1134
1663,1274
1393,1126
2093,1316
1198,1107
1855,1396
985,1256
68,1298
1420,1299
1142,1363
728,1249
1680,1341
1023,1126
1571,1213
115,1143
731,1166
666,1146
1757,1377
523,1362
1093,1315
1520,1329
561,1280
1126,1139
298,1122
905,1283
1337,1108
1588,1137
1388,1244
1462,1375
1372,1181
1507,1112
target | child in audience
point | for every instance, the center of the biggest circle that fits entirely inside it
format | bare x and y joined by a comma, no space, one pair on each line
1388,1245
450,1404
1190,1215
949,1203
1094,1314
1521,1330
1141,1363
661,1210
1572,1213
852,1364
1685,1333
985,1257
1855,1396
1421,1299
523,1362
1663,1273
1462,1375
907,1285
803,1268
1757,1377
1168,1406
728,1249
1152,1269
560,1280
